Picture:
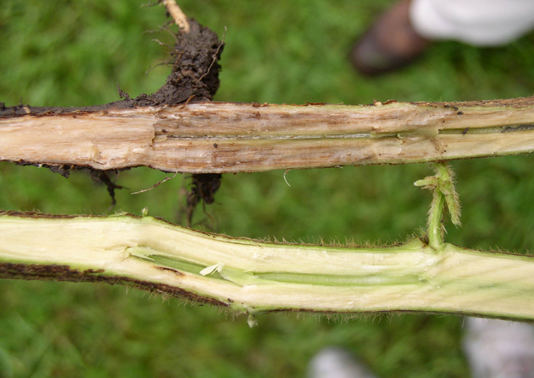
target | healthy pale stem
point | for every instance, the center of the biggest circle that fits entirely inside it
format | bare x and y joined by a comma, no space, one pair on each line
249,276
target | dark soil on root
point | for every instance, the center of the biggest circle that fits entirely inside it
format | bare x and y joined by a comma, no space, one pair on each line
195,72
194,78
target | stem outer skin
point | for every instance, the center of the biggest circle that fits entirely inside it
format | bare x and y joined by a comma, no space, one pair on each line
435,222
253,277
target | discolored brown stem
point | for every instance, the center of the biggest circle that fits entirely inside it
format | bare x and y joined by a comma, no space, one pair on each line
212,137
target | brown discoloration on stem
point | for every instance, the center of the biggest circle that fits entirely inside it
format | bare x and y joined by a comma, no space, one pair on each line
512,102
67,274
259,138
170,270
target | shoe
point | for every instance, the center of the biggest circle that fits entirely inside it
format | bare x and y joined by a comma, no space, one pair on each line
390,44
499,349
335,362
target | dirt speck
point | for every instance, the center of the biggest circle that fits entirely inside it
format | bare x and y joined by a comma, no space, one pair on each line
203,188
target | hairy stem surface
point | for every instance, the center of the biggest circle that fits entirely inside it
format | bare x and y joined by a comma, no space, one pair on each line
251,277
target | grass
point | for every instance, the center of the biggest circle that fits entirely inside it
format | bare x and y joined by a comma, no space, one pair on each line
74,53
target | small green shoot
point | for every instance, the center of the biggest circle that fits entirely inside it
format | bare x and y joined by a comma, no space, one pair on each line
444,194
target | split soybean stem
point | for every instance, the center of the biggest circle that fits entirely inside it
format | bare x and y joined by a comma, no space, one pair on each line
212,137
247,276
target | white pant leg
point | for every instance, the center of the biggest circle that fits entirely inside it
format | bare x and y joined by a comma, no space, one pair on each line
478,22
